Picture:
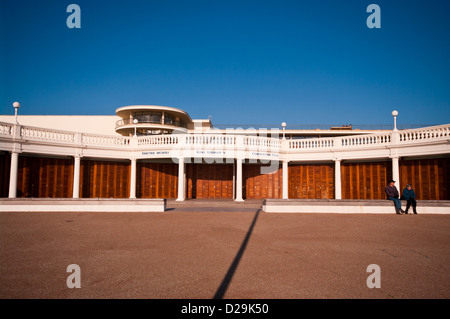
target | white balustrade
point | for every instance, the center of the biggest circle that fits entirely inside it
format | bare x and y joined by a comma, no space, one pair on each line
104,140
261,142
210,139
159,140
227,141
5,129
41,134
366,140
424,134
311,143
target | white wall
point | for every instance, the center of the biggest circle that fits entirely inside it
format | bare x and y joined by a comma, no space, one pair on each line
96,124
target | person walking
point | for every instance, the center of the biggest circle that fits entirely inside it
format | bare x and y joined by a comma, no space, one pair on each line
410,197
392,194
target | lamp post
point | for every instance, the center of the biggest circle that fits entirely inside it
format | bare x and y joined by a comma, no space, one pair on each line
394,114
283,125
16,107
135,121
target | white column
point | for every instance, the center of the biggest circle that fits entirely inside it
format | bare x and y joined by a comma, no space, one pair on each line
337,179
181,182
76,177
239,180
395,173
133,179
234,180
285,179
13,175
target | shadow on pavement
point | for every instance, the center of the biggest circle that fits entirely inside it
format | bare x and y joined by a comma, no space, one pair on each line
229,275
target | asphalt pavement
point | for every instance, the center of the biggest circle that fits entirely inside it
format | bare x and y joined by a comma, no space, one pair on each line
223,250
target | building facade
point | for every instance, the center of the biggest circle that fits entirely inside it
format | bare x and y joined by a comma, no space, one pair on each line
147,151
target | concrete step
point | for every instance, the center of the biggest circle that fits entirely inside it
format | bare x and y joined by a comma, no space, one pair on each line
349,206
81,205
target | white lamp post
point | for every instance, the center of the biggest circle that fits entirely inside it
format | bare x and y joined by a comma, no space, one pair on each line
284,128
135,121
16,107
394,114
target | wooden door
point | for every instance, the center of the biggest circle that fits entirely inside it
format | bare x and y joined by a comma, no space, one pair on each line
44,177
209,181
311,181
104,179
5,166
365,180
428,177
157,180
258,185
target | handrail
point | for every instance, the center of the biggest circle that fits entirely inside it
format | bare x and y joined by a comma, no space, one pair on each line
144,120
313,143
158,140
6,129
210,139
104,140
245,142
42,134
260,141
365,140
433,132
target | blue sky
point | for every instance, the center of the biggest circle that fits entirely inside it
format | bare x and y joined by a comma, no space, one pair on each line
242,62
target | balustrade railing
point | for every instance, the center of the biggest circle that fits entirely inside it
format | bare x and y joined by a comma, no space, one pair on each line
261,142
366,140
216,140
428,133
313,143
228,140
41,134
6,129
150,120
104,140
158,140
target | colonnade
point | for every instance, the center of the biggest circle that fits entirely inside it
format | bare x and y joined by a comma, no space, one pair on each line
237,179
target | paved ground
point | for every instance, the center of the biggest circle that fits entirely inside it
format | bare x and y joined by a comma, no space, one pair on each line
228,250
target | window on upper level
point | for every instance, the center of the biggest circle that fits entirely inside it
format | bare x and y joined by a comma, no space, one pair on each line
148,117
168,119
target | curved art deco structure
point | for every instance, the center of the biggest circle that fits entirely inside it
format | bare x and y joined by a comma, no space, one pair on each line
45,162
151,120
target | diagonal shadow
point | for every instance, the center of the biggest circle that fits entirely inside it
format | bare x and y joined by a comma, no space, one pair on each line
229,275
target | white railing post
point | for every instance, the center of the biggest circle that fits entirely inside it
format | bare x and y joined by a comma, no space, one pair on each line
337,143
78,139
181,180
234,179
133,179
239,155
134,141
395,139
285,179
239,180
6,129
13,175
76,177
337,179
395,172
16,131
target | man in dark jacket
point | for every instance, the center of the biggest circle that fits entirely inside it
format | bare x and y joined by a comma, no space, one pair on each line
410,197
392,194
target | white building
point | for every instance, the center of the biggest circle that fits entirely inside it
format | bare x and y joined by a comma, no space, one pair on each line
147,151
